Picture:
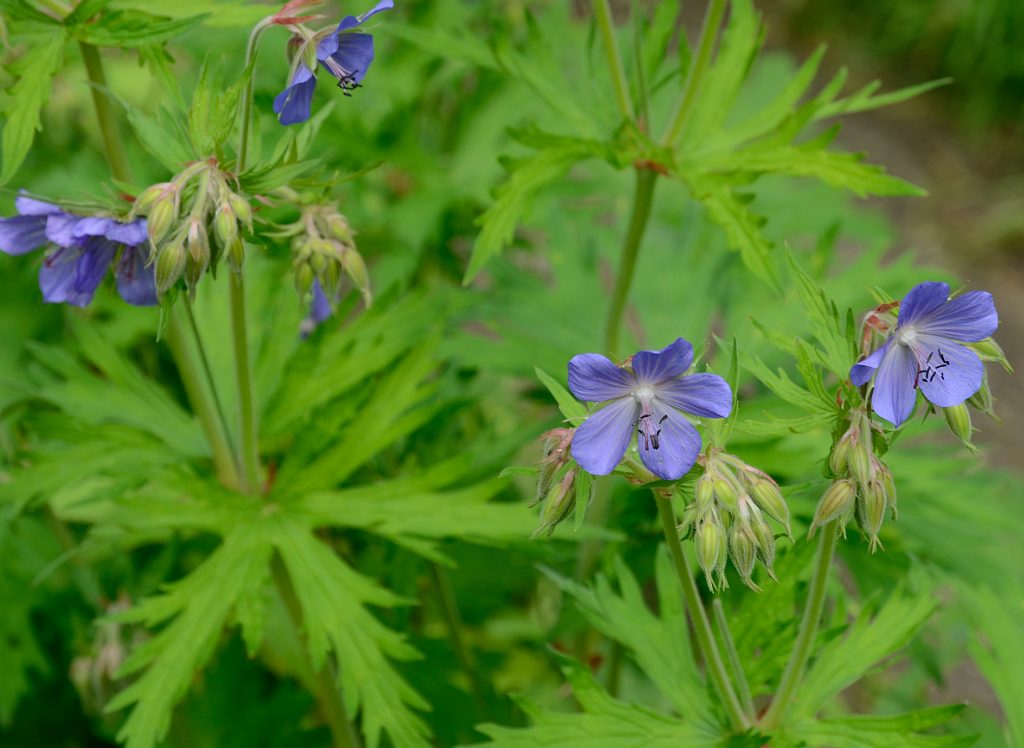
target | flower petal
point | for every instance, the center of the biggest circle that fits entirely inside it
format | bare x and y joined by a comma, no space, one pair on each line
21,234
969,318
72,274
921,300
132,233
29,206
671,444
327,46
350,22
894,395
60,228
862,371
135,282
602,439
593,378
352,58
654,367
948,373
706,395
293,105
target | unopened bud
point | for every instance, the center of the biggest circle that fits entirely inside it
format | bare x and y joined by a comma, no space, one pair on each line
558,503
989,350
225,225
860,457
766,494
355,269
835,502
958,418
889,484
840,457
241,208
765,539
982,400
743,552
149,196
704,494
711,550
726,493
170,264
161,216
236,255
304,278
198,244
871,511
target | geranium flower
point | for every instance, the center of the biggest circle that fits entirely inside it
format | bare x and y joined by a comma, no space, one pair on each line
924,351
646,401
86,246
344,53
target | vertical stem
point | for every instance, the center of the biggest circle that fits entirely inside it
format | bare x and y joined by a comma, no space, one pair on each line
113,145
203,404
248,444
603,15
643,196
208,373
698,617
251,48
453,619
739,677
694,76
797,663
328,695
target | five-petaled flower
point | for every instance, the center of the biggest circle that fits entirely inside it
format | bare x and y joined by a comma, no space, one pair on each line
647,401
924,351
86,246
344,53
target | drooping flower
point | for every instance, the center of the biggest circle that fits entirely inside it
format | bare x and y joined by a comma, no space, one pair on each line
84,249
924,351
344,53
646,401
320,310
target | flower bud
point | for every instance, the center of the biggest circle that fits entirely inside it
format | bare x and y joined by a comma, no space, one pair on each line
989,350
170,264
355,269
711,550
871,511
840,457
726,493
241,208
340,230
835,502
704,494
149,196
765,539
161,216
236,255
982,400
558,503
958,418
225,225
766,494
198,244
889,484
304,278
743,552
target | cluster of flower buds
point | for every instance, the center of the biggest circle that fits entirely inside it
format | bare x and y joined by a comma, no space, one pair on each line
324,249
182,214
729,519
862,486
556,481
958,417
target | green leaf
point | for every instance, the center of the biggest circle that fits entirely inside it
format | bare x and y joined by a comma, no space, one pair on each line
34,72
214,110
574,411
528,177
863,100
159,62
162,137
197,608
133,28
892,731
332,597
584,491
827,325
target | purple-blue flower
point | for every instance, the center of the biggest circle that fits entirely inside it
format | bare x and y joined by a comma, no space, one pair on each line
645,401
320,310
85,248
924,351
344,53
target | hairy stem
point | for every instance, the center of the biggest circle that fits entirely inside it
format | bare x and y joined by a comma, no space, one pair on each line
603,15
453,619
695,75
698,617
251,50
797,663
204,403
113,145
643,196
248,445
739,677
326,691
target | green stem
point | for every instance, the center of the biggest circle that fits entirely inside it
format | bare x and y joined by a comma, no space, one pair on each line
643,197
695,75
739,677
204,361
798,658
82,574
699,618
248,445
453,619
251,49
328,695
603,14
204,404
59,9
113,145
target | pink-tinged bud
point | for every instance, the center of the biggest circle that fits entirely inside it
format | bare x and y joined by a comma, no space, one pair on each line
743,552
558,503
225,225
286,16
871,512
170,264
989,350
711,549
958,418
835,503
241,208
766,494
162,214
198,244
149,196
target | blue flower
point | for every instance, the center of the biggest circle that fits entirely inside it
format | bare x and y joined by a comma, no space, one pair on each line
924,351
86,246
320,310
344,53
647,401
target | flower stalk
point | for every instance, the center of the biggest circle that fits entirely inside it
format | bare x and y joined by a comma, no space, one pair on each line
699,618
248,446
113,145
603,14
742,684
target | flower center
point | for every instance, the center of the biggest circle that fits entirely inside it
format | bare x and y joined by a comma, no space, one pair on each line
648,428
643,395
346,78
906,336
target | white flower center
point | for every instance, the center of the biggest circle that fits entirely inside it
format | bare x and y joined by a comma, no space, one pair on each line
906,336
643,394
